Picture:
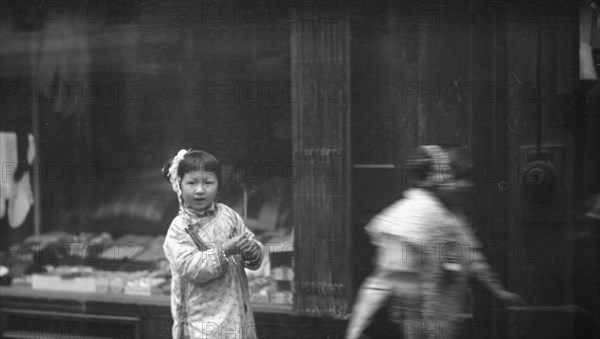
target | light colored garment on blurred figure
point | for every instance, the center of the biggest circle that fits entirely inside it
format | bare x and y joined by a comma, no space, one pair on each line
426,256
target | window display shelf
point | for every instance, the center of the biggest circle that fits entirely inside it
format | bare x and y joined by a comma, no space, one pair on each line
152,300
36,313
36,335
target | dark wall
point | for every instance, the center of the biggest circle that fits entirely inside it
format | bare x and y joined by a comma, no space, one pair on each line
458,74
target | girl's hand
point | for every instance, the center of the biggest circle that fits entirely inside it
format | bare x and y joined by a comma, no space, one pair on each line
249,248
233,245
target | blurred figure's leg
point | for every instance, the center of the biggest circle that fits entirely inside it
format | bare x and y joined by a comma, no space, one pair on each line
406,314
372,295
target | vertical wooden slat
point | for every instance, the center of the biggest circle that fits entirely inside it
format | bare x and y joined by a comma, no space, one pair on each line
320,67
422,46
36,39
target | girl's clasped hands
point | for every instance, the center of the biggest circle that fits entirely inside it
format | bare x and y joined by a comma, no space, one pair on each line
242,244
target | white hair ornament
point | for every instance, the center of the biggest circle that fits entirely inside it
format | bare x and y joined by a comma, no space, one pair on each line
173,176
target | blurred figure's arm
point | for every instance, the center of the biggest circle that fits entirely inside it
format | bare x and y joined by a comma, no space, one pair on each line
480,271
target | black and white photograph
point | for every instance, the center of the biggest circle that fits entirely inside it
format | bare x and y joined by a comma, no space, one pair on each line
294,169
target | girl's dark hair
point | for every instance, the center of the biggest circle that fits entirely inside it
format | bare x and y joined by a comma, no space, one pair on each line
196,161
419,164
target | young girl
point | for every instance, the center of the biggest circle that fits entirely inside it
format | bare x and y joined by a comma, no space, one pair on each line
208,247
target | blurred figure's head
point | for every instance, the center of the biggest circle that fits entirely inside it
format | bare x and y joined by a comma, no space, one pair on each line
445,170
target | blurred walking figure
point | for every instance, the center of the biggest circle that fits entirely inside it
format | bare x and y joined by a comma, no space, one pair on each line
426,251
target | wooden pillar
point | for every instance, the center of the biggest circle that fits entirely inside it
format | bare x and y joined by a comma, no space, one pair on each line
320,96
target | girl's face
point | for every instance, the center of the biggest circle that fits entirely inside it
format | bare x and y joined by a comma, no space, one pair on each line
199,189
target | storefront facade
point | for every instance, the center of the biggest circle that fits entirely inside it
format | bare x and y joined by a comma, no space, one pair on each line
312,108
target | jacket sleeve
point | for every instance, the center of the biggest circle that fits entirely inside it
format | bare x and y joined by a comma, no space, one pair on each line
475,264
394,253
188,261
252,263
482,273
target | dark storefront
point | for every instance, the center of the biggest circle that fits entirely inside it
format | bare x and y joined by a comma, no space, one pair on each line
311,107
